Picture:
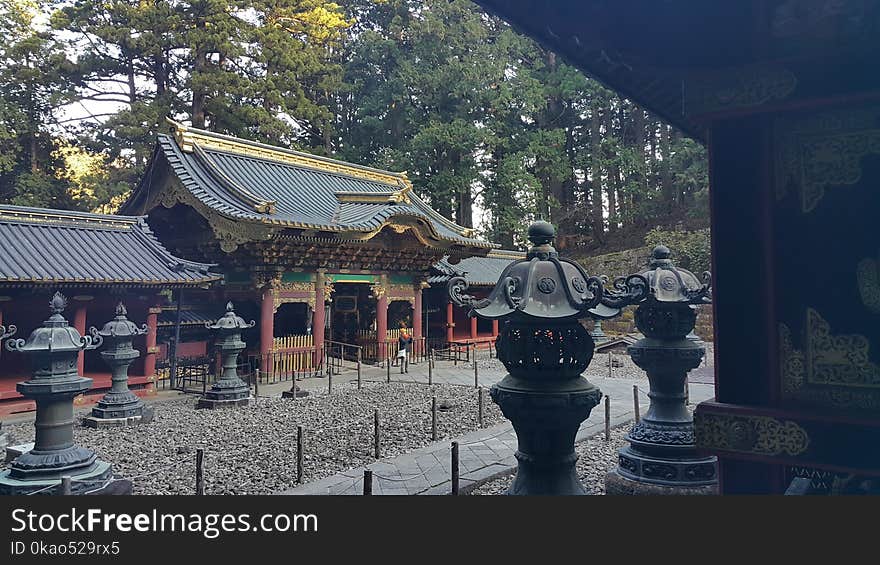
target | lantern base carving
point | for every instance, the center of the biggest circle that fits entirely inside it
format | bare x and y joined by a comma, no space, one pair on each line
94,478
618,485
144,416
546,416
217,401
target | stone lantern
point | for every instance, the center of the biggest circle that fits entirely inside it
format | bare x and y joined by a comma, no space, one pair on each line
661,457
229,389
545,349
4,333
53,349
120,406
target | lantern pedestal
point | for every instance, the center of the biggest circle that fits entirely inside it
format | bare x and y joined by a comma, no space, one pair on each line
229,390
546,419
662,455
120,406
54,455
145,417
214,403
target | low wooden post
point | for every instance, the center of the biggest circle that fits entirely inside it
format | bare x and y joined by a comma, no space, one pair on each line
607,418
476,374
636,402
368,482
432,358
330,383
433,418
610,363
299,454
65,485
456,356
455,468
359,370
200,471
431,368
480,407
376,450
388,371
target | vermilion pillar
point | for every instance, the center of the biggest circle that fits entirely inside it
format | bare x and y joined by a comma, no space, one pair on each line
150,338
382,324
474,328
495,328
267,325
318,320
79,322
417,319
450,323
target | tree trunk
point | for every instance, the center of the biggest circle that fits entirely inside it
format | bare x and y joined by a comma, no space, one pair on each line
597,222
200,66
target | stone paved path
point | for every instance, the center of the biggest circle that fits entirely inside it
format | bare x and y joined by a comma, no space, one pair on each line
483,453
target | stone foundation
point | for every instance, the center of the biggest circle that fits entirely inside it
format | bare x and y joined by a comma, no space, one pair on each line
615,484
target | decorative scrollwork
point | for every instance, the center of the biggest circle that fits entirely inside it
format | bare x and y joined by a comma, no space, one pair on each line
15,344
7,331
633,289
457,287
92,340
702,294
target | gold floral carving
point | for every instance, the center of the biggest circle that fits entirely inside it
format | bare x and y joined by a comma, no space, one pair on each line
761,435
823,151
737,88
832,369
379,289
868,277
328,290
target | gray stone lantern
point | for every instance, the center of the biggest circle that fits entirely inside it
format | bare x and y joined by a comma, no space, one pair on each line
229,389
4,333
53,350
120,406
661,457
545,349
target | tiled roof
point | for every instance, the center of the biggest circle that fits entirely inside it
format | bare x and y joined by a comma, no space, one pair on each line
42,246
478,271
251,181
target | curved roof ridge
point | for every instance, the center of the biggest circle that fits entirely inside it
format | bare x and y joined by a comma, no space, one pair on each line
187,137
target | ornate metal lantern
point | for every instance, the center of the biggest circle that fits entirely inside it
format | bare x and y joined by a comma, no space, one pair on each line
229,389
545,349
4,333
53,349
120,406
661,451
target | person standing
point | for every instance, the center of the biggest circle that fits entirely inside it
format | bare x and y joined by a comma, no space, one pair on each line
404,344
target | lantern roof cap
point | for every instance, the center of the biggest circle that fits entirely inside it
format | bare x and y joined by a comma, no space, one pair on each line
541,286
121,326
230,321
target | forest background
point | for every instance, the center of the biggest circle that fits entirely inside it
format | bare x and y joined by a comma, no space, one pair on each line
493,130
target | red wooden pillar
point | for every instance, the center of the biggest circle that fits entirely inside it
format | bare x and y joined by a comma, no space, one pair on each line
151,349
417,319
494,328
474,328
318,316
267,326
450,323
79,322
382,324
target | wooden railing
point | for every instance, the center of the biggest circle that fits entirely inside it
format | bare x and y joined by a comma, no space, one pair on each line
293,342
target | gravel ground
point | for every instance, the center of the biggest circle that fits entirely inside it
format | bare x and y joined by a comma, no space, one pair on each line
252,449
596,457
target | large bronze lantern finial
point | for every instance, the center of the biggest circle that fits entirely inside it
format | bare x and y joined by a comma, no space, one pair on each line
545,349
53,349
662,457
229,389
